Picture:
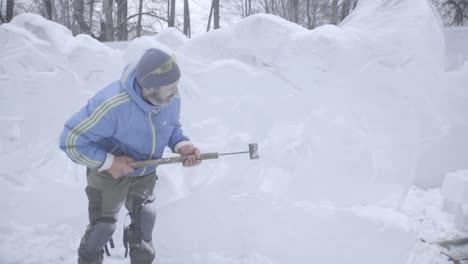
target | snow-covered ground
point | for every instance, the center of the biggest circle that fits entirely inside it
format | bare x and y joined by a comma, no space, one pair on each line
348,120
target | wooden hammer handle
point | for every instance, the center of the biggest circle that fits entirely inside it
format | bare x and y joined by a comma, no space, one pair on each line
157,162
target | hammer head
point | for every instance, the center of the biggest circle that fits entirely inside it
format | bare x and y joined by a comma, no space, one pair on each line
253,151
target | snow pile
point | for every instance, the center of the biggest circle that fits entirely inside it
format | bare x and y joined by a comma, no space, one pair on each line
457,47
44,72
339,114
354,102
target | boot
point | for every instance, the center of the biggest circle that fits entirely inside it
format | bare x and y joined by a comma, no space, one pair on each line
141,251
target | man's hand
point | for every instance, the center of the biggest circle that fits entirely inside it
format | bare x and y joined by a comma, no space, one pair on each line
192,153
120,167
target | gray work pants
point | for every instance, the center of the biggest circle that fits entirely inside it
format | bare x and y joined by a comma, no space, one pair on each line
106,196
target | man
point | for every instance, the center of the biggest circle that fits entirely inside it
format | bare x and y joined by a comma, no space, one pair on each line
131,119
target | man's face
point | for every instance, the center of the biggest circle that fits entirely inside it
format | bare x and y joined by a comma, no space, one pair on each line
160,96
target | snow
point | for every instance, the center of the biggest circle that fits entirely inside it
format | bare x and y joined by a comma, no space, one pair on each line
455,187
457,48
455,192
347,118
449,151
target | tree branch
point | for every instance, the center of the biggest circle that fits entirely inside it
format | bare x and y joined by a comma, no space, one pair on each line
152,14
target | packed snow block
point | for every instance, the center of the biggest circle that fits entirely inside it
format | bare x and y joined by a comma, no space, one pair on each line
456,39
449,152
61,51
344,108
93,62
22,53
242,227
455,187
46,30
455,192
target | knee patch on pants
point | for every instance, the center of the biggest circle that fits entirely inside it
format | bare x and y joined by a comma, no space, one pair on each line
147,219
96,237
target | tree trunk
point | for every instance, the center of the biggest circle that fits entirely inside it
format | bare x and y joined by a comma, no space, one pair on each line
67,11
334,12
140,10
47,9
345,9
209,18
187,30
265,6
109,27
315,10
122,12
247,8
91,11
295,11
216,14
171,21
63,13
312,9
10,5
79,17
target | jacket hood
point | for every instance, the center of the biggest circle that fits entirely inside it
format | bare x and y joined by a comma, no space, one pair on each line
133,89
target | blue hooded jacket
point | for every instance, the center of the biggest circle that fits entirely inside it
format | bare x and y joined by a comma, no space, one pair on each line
118,121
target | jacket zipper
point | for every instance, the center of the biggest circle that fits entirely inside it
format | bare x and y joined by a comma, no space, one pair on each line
153,130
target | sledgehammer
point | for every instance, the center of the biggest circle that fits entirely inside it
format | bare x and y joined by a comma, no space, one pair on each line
253,152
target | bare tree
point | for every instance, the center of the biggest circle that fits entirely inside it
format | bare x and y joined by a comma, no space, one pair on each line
246,6
2,19
47,9
122,13
311,9
216,14
295,11
91,12
107,27
209,17
140,11
345,9
66,17
10,5
334,12
171,17
308,13
78,16
266,6
455,11
187,30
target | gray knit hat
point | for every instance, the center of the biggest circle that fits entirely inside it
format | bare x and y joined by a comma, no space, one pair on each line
156,68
